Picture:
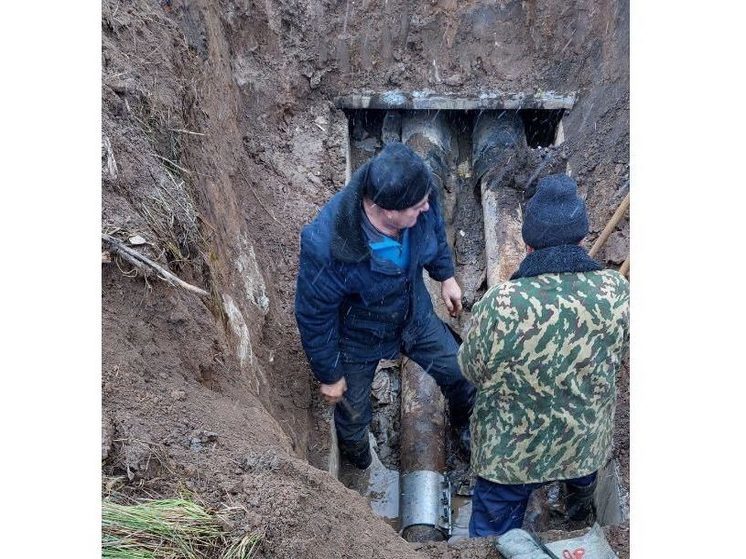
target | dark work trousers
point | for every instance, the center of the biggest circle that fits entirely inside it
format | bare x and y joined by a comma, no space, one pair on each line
434,350
497,508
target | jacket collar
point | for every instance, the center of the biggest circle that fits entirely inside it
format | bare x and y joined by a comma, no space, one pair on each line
556,260
348,240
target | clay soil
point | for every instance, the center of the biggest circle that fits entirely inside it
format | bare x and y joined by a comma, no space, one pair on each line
220,140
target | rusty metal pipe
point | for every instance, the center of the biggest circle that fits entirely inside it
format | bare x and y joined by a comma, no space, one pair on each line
422,421
424,503
424,500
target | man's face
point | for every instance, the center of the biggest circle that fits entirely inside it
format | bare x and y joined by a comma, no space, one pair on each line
402,219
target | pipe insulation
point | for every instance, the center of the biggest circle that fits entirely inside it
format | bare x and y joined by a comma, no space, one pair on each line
428,134
497,140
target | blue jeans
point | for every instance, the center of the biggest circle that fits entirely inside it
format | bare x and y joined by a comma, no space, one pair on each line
435,350
497,508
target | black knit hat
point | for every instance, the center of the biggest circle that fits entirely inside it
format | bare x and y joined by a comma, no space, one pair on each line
397,178
555,215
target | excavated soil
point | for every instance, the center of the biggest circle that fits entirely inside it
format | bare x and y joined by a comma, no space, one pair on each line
220,140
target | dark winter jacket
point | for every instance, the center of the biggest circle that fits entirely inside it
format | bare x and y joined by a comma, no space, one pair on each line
350,305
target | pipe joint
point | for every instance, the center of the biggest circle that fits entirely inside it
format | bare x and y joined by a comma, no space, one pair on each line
425,501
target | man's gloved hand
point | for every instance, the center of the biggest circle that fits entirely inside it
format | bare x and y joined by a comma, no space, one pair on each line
451,293
333,393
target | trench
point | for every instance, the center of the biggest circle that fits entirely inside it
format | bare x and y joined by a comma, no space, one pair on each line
485,177
221,139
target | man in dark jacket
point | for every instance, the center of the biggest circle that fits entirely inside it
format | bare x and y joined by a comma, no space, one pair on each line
361,297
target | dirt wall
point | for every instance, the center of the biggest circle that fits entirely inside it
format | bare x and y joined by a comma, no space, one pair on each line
220,141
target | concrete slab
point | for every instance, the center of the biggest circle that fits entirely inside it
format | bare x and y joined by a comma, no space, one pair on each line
425,100
611,504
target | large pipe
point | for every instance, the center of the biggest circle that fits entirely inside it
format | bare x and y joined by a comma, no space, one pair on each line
391,127
424,503
424,499
429,135
498,140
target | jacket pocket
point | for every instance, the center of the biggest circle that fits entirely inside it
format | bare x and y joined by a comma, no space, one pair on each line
374,324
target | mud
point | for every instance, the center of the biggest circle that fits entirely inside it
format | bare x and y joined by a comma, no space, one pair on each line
385,425
220,140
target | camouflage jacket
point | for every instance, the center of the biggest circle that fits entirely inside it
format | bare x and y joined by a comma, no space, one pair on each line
544,352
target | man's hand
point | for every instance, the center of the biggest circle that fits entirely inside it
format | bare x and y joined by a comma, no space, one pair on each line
333,393
451,293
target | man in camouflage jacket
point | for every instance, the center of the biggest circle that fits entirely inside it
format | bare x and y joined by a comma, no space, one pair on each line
543,351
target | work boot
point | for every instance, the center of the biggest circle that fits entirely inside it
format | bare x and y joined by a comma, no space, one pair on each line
357,453
579,504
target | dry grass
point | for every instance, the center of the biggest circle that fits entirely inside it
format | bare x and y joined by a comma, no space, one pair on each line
168,529
171,214
153,77
243,548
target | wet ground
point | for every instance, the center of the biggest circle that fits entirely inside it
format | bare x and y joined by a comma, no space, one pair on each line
378,484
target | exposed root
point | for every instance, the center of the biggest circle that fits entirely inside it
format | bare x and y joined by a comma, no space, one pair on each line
146,265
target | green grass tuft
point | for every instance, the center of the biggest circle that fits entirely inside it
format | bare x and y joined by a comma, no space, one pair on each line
167,529
243,548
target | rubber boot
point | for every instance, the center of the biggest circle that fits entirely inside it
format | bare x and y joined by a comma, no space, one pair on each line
580,507
357,454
